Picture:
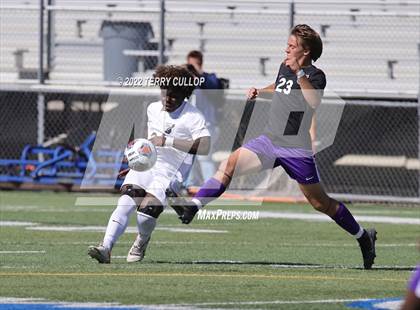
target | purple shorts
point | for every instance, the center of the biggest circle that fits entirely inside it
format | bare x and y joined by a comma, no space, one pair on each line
298,163
414,284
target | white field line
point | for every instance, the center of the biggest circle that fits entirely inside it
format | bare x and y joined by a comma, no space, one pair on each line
23,252
129,229
392,305
277,302
332,244
16,223
406,216
285,266
19,208
384,212
414,220
324,218
192,306
112,201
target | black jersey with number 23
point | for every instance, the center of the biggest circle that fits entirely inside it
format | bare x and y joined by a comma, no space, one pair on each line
290,115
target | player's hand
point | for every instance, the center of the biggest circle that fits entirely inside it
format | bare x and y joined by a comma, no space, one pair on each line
293,64
157,140
252,93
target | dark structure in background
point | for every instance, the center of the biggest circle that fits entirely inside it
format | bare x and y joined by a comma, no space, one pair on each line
362,131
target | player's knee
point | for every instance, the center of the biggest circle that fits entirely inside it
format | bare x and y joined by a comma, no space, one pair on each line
321,205
228,165
125,206
150,207
132,191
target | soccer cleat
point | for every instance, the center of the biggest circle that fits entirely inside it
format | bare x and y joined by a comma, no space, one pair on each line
177,203
138,250
100,253
185,209
189,211
367,245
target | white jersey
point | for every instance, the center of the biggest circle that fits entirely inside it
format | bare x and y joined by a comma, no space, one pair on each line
185,123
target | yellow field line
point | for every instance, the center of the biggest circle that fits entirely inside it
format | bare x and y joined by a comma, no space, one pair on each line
147,274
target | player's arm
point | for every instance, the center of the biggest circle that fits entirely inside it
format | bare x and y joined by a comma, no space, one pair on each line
411,302
312,132
310,93
412,298
266,92
199,146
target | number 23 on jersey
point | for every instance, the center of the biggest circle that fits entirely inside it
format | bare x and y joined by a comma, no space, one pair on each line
284,86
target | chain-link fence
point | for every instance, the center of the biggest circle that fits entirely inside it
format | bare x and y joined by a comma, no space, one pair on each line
368,47
374,155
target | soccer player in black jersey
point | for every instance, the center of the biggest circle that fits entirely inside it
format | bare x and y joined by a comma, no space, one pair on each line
286,141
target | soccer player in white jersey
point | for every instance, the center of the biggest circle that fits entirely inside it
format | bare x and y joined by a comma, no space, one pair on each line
177,129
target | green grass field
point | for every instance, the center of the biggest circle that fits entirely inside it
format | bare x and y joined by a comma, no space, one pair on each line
269,263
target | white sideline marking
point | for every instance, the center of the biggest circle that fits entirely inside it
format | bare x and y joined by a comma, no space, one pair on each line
391,305
324,218
61,304
22,252
276,302
192,306
19,300
284,244
386,212
89,305
279,302
16,223
112,201
262,214
129,229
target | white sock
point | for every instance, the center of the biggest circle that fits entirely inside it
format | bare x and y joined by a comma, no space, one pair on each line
145,225
197,203
360,233
118,221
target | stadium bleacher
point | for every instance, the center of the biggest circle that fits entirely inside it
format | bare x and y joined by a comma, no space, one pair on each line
368,45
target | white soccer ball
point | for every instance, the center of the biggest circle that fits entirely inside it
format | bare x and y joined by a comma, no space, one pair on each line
141,154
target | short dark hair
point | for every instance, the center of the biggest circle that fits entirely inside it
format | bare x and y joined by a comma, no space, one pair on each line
309,39
197,55
169,71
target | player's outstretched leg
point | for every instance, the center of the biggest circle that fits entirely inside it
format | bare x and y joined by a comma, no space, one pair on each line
342,216
147,214
242,161
116,226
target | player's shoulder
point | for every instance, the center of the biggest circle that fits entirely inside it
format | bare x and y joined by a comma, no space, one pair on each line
192,112
154,106
189,108
315,71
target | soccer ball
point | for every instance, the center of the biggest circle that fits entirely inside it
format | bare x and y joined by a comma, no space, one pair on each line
141,154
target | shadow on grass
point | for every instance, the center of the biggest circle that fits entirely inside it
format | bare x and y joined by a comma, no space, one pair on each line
280,265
